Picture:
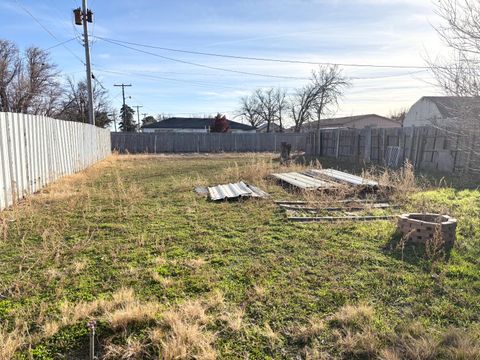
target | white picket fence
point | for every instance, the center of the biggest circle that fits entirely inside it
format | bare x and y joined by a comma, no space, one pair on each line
37,150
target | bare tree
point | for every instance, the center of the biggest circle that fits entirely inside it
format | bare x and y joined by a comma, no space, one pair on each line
331,83
249,109
459,74
281,100
301,105
28,82
9,68
268,106
398,115
319,97
35,88
74,106
264,106
461,30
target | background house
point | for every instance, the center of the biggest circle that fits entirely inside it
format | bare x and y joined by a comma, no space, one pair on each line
353,122
199,125
441,110
262,128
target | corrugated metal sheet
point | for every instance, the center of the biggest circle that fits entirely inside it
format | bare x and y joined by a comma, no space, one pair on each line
341,176
303,181
234,190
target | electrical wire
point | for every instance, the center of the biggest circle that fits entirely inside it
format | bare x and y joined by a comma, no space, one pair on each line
202,65
153,77
289,61
257,74
60,43
48,31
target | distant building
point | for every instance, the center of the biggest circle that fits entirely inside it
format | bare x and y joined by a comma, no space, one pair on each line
195,125
353,122
442,110
262,128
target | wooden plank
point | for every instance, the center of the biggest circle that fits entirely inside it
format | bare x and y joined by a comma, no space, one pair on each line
340,218
301,207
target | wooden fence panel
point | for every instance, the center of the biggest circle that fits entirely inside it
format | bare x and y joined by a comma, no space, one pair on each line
425,147
205,142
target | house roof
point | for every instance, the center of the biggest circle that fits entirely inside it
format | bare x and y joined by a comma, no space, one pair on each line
193,123
451,106
264,126
341,121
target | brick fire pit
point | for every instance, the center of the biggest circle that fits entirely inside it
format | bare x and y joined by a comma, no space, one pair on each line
419,228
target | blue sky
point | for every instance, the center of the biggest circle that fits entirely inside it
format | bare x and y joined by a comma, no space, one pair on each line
395,32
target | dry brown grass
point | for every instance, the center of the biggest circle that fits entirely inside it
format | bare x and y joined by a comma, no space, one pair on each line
274,339
256,170
458,346
233,319
364,344
316,354
195,263
185,335
306,333
131,313
10,342
133,349
397,183
179,333
353,316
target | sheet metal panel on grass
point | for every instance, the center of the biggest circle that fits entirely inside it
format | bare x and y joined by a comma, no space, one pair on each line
303,181
235,190
341,176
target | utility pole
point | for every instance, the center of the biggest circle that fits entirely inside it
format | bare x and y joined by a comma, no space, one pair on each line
114,115
83,17
144,116
123,96
138,112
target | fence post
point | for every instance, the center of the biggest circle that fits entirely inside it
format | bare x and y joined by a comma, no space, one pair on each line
382,154
10,157
368,144
337,149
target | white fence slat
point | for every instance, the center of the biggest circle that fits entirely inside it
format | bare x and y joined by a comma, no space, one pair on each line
36,150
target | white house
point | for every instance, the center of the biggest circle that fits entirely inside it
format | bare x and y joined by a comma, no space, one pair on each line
441,110
193,125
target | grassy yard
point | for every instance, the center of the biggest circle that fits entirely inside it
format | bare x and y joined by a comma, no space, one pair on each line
167,274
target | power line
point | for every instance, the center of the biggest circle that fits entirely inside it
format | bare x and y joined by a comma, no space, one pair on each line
48,31
154,77
202,65
266,75
289,61
61,43
122,85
